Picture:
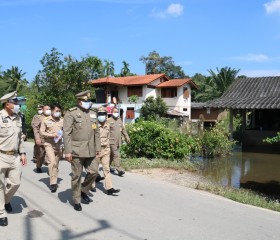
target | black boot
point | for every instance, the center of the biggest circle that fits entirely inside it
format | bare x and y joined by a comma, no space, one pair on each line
4,222
99,178
8,207
86,198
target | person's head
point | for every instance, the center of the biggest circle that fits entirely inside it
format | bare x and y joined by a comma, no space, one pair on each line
115,112
56,110
46,110
10,103
83,99
40,109
101,115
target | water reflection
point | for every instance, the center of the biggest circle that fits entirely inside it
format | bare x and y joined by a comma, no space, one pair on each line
256,171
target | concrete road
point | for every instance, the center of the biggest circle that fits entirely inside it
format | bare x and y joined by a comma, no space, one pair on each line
144,209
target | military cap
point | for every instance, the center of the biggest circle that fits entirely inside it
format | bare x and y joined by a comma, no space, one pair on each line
101,109
40,106
9,97
83,95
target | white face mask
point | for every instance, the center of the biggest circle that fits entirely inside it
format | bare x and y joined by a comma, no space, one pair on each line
101,118
57,114
115,115
86,105
47,112
40,112
16,109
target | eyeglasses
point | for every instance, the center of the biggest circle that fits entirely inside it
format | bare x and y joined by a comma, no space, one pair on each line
102,114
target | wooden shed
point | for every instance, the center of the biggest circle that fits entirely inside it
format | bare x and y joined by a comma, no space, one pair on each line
257,99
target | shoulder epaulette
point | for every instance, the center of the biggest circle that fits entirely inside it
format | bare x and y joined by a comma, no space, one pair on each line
72,109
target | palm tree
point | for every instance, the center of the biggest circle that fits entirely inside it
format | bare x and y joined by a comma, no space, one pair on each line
125,71
222,79
109,68
15,78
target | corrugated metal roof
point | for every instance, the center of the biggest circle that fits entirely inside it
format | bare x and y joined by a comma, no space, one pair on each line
250,93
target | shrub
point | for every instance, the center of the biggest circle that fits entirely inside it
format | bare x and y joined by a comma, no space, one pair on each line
153,140
215,142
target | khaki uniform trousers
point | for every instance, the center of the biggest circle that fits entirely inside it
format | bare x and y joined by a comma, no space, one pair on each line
40,155
10,173
115,157
91,167
54,154
105,161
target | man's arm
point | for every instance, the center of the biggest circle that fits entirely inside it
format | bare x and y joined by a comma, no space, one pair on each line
36,122
67,131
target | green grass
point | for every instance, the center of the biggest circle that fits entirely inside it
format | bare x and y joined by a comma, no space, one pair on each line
239,195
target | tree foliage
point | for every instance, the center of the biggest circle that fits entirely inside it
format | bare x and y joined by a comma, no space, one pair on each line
213,86
153,108
157,64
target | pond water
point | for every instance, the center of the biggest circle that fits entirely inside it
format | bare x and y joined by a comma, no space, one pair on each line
256,171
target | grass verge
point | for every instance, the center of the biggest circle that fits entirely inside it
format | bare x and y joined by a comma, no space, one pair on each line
239,195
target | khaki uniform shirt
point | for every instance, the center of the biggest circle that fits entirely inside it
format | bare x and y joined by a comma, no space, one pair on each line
11,132
117,129
81,133
104,138
35,124
49,126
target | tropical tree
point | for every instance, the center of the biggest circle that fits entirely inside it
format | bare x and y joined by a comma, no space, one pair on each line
109,68
153,108
125,71
156,64
14,77
222,79
93,67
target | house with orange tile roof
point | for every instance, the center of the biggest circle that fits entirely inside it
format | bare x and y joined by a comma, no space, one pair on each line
176,93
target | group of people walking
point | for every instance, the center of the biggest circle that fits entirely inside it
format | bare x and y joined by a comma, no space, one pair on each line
86,138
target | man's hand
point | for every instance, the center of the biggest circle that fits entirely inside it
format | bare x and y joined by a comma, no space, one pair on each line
23,159
68,157
98,154
128,140
38,141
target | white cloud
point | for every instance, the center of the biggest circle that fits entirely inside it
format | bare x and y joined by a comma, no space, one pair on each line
272,6
252,57
260,73
173,10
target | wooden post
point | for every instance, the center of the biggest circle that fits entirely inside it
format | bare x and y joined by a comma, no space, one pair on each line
243,120
230,123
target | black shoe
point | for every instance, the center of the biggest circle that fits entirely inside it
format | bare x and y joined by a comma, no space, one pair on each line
99,178
93,189
120,173
85,197
78,207
112,170
53,188
111,191
3,221
39,170
8,207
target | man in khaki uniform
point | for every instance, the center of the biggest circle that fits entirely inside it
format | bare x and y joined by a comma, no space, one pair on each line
39,140
39,113
12,153
117,129
104,157
51,130
81,146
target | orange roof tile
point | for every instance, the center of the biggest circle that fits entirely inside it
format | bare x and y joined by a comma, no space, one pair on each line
130,80
177,83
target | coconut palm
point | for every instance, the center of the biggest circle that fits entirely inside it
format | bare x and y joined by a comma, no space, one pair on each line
15,78
109,68
222,79
125,71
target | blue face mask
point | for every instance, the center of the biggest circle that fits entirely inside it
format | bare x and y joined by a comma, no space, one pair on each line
101,118
86,105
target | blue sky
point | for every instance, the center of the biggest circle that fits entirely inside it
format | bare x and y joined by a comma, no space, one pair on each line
198,34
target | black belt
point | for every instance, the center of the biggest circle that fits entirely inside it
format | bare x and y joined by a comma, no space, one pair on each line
8,152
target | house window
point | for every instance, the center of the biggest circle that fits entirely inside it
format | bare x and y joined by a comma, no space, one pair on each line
186,92
185,109
130,113
168,92
135,90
